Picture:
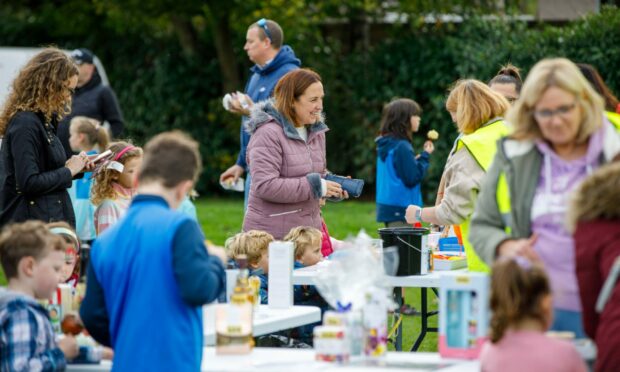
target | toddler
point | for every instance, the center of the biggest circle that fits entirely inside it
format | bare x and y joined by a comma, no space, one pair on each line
71,269
308,241
32,259
522,310
254,244
86,135
115,184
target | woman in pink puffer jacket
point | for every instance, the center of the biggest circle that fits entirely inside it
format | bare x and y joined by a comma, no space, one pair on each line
286,157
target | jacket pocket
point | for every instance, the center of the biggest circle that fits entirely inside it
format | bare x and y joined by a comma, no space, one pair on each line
285,213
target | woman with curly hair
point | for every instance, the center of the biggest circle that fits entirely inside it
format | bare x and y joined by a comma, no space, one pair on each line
37,172
115,184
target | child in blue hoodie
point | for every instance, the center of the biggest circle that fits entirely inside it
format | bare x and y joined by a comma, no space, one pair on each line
399,170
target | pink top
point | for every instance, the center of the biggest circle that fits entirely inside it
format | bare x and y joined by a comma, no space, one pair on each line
530,351
111,210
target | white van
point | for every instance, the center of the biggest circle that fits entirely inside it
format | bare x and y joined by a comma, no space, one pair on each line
12,59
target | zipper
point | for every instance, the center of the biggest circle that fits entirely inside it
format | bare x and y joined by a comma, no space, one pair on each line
285,213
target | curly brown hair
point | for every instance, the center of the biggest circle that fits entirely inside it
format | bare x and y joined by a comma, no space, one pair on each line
517,291
41,86
104,177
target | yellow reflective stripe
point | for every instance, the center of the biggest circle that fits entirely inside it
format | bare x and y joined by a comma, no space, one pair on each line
482,143
614,118
474,263
502,196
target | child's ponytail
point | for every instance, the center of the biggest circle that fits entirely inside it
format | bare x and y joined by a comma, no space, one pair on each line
517,289
94,132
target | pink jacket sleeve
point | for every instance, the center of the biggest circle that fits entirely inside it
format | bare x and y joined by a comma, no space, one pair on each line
265,161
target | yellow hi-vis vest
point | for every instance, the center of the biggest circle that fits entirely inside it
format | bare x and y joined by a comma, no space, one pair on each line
502,193
614,118
482,145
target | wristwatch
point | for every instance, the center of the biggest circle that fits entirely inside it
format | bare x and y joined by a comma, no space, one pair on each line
418,215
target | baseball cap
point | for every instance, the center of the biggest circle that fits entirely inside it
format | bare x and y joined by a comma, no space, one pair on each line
82,55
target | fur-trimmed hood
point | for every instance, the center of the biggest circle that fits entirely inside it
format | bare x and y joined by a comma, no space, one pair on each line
264,112
598,197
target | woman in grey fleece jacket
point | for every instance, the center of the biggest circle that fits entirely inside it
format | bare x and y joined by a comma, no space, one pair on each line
559,136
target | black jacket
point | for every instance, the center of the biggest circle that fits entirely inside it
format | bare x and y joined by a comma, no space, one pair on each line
36,182
96,101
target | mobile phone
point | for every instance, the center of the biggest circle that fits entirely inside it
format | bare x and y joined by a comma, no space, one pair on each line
100,157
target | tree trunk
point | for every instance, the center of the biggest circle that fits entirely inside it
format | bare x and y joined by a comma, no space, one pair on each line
220,21
187,35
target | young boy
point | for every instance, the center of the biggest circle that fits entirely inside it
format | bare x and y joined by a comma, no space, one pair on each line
32,259
254,244
307,242
150,274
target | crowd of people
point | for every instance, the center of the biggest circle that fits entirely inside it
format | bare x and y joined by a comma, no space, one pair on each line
529,189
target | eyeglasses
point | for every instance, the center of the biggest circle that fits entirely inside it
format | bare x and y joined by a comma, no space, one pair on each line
262,23
545,115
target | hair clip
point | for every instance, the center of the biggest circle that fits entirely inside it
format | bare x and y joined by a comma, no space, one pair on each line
114,165
523,262
123,151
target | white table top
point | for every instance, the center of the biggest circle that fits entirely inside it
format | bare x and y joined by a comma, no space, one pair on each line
266,320
286,360
306,276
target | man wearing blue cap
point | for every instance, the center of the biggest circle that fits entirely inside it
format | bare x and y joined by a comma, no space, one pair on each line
92,99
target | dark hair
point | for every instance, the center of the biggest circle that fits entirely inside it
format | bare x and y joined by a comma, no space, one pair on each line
508,74
27,239
517,289
275,32
396,118
595,79
170,158
289,88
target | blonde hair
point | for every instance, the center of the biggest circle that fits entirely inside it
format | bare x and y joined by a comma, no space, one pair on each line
41,86
104,178
563,74
93,131
304,238
474,104
253,244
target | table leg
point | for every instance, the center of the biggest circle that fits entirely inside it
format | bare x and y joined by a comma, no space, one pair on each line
398,292
423,320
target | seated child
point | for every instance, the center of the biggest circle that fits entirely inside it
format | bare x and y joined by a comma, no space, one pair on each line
32,259
254,244
71,269
522,310
115,184
307,242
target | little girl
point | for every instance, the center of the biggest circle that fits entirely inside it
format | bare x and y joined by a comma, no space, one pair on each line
115,183
89,136
399,170
70,273
522,311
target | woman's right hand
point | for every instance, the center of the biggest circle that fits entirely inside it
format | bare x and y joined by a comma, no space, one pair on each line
429,146
333,190
518,247
76,163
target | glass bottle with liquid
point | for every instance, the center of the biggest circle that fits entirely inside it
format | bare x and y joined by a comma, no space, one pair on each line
233,321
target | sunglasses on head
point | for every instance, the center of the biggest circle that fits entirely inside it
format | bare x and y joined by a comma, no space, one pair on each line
262,23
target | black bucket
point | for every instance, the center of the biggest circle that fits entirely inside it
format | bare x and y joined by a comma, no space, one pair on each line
410,242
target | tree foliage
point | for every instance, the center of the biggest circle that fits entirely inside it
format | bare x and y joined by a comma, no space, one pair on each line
171,61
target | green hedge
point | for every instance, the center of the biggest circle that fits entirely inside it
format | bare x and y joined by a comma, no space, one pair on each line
159,88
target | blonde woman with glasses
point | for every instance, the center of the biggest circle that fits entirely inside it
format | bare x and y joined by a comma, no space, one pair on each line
560,135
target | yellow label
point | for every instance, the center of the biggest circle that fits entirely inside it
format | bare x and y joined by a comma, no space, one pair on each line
462,279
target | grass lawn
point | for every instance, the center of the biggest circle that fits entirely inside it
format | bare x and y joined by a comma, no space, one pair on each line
222,217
